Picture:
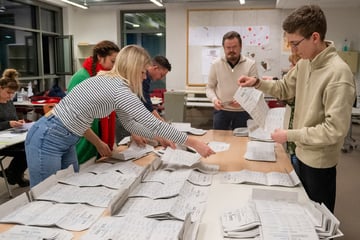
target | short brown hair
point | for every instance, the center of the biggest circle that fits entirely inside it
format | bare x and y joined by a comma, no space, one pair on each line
231,35
162,61
306,20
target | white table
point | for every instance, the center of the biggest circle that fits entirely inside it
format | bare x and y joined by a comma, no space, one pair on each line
222,196
8,139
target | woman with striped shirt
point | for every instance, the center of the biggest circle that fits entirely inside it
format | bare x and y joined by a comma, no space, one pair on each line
50,143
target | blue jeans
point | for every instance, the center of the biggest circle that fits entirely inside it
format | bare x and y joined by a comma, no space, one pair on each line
49,147
227,120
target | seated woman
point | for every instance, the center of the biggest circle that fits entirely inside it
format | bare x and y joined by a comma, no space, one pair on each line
8,119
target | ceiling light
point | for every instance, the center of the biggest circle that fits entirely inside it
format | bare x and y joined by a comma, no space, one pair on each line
135,25
2,6
76,4
242,2
157,2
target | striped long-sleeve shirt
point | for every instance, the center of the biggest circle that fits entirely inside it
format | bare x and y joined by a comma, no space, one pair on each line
98,96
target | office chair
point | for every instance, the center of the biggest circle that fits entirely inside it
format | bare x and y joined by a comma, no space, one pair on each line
4,176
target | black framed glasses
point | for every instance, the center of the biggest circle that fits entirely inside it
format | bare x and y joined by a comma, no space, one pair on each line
296,44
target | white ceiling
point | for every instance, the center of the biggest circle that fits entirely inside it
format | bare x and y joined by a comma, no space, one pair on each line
249,3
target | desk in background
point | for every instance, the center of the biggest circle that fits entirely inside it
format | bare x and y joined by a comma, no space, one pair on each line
8,139
222,196
351,143
189,106
28,110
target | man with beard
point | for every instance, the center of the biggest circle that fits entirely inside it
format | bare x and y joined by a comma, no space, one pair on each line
222,83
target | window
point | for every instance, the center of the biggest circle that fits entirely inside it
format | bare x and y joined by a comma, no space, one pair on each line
145,28
18,14
29,33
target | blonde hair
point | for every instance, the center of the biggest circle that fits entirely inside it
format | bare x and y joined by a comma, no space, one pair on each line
9,79
130,64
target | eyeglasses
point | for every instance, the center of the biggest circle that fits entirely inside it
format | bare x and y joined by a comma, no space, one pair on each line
296,44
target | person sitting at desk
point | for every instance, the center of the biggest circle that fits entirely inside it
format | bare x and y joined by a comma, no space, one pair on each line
9,119
50,142
156,71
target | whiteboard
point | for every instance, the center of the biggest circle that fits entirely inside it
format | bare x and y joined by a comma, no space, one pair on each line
260,31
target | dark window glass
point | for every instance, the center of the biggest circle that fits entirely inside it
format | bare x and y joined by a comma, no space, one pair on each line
145,28
47,20
19,51
18,14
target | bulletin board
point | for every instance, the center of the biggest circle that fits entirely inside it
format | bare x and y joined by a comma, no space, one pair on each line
261,34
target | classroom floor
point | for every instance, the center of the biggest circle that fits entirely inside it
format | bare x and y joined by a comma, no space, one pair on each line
348,185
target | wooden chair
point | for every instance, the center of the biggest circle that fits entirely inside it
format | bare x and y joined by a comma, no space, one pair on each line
4,176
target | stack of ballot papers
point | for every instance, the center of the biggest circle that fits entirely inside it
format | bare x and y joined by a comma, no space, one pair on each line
180,157
133,152
241,223
264,121
326,224
186,127
260,151
274,214
240,132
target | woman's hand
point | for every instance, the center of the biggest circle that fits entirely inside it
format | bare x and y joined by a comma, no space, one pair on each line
16,124
103,149
140,141
202,148
165,143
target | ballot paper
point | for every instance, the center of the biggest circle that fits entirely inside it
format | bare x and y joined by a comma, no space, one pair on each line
180,157
253,101
186,127
176,208
253,177
73,217
156,190
114,180
95,196
219,146
284,220
241,222
19,232
134,227
260,151
25,127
